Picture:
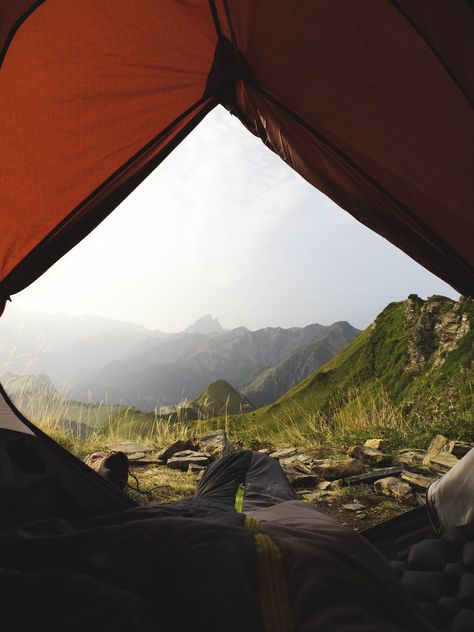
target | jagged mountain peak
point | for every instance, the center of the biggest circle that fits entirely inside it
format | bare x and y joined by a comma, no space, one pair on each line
205,325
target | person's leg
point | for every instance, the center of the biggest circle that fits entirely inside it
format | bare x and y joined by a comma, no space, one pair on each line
245,480
265,484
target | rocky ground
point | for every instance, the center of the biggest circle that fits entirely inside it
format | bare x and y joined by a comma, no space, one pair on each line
367,485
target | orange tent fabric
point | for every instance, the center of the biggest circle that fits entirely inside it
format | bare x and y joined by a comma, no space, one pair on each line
370,102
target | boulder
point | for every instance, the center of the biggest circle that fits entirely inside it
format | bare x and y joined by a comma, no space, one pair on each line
377,444
337,468
215,444
369,455
394,487
435,447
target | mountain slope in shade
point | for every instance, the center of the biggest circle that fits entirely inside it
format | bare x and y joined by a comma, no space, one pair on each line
272,383
420,352
221,398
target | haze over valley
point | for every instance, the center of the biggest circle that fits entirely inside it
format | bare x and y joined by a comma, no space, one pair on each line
97,359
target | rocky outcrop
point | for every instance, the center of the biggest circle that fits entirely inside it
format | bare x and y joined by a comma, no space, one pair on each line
436,326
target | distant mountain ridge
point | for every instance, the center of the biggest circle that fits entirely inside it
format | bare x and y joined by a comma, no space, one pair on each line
205,325
271,383
182,366
102,359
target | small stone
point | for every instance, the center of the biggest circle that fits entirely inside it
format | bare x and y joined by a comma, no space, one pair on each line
361,515
409,458
377,444
284,453
304,458
369,455
323,484
355,506
194,468
396,488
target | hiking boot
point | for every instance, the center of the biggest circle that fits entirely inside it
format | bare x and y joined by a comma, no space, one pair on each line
113,467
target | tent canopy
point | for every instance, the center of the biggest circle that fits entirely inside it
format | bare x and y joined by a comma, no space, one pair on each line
370,102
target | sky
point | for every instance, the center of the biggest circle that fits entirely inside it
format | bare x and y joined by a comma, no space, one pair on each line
224,227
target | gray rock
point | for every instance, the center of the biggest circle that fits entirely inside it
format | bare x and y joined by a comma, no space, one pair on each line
194,468
369,455
417,480
377,444
397,489
354,506
182,460
338,468
284,453
442,462
435,447
409,458
177,446
215,444
374,475
130,448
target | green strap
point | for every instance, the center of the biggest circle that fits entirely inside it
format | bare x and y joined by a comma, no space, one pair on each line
275,603
239,498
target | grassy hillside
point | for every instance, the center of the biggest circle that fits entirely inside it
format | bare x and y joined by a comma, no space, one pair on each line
410,373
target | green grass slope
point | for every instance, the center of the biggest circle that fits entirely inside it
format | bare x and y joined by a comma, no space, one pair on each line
417,358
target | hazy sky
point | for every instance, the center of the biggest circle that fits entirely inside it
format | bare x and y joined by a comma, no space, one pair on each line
223,226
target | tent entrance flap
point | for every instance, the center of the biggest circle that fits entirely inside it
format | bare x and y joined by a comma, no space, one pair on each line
40,479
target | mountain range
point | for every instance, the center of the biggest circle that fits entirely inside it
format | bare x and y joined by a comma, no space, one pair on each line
181,367
105,359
